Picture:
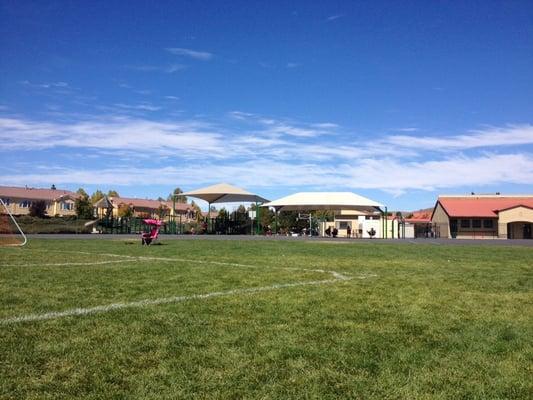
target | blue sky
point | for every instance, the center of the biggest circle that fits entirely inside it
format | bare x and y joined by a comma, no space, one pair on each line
396,101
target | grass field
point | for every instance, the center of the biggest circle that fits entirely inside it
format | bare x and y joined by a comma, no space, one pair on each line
265,319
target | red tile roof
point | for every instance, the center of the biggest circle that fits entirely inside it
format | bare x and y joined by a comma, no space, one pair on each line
148,203
481,206
420,216
35,193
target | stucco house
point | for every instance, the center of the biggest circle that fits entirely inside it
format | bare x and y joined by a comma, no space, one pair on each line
18,200
484,216
145,208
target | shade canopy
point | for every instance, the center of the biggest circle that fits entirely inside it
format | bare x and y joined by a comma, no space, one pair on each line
312,201
224,193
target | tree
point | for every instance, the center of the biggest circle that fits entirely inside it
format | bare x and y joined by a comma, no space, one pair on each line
162,211
83,207
82,192
38,209
176,193
125,210
113,193
53,187
213,209
197,212
96,196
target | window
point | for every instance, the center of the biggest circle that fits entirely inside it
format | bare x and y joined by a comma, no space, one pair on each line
465,223
343,224
66,206
476,223
6,201
488,223
25,204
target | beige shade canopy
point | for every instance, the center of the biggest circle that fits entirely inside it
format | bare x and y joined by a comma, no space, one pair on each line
224,193
313,201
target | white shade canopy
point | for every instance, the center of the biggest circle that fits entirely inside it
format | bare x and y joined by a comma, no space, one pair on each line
311,201
224,193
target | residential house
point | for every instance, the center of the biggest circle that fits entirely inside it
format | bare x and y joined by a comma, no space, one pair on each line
58,202
145,208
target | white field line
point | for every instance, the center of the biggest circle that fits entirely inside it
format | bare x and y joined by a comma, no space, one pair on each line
127,258
337,277
68,264
152,302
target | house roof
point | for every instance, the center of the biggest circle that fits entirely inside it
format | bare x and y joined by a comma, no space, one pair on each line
148,203
420,216
482,206
35,193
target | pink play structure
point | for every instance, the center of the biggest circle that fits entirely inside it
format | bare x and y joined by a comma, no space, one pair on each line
147,238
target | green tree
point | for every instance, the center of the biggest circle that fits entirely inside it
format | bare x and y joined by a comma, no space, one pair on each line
96,196
176,193
113,193
82,192
197,212
38,209
125,210
83,207
162,211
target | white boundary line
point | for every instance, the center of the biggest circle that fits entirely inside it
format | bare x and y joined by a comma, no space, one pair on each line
152,302
337,277
67,264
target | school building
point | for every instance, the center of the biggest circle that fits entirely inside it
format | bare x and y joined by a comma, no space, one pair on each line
484,217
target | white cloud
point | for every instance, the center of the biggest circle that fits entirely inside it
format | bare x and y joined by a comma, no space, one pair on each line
49,85
510,135
198,55
388,175
169,69
293,65
141,107
112,133
283,153
334,17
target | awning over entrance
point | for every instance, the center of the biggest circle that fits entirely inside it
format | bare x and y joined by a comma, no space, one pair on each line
314,201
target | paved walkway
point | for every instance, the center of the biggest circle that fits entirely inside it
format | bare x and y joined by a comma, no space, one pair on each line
461,242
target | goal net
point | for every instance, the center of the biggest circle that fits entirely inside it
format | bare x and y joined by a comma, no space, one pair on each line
10,232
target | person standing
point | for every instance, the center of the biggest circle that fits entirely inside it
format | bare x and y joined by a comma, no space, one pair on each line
349,231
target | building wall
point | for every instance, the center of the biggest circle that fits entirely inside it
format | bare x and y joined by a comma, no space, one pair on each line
517,214
479,231
442,221
21,206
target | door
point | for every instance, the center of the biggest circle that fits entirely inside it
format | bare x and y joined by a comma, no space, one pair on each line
453,228
527,231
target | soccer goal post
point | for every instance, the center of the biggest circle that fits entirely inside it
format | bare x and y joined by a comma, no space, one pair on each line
10,232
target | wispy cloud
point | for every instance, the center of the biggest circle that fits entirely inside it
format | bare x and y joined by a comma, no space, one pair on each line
406,129
168,69
334,17
510,135
288,153
45,85
142,106
293,65
198,55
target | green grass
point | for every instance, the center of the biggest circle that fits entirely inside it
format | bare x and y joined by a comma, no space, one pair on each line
427,322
